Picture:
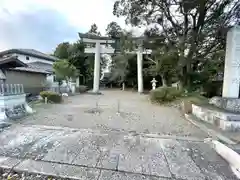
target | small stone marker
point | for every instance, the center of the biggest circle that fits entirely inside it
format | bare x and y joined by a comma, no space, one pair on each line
154,81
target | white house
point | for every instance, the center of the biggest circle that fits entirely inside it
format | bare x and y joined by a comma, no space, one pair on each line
37,61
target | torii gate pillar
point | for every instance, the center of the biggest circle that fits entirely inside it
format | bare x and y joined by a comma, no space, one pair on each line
97,68
140,68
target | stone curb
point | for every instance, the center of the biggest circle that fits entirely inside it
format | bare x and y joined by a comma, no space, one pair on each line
48,168
228,154
210,132
180,138
146,135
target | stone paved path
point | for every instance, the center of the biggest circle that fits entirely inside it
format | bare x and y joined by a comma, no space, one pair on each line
136,114
94,155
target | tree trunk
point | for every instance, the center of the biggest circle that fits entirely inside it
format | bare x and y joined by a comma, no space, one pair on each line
59,87
69,88
164,81
123,86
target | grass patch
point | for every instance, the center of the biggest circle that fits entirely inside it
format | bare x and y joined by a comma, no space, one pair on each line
164,94
194,98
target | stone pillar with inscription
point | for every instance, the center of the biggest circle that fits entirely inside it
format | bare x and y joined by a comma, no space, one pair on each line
231,81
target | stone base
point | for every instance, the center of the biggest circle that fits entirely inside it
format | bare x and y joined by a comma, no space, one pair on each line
95,93
224,120
228,104
13,107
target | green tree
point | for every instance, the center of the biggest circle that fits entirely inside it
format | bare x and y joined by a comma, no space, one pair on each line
65,71
164,64
94,30
120,64
113,30
61,50
195,28
82,62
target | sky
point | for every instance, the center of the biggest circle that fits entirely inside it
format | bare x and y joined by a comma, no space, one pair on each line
42,24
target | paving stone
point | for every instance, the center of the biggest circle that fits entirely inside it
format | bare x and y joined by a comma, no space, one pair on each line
8,163
88,155
180,163
113,175
98,150
55,169
210,163
18,142
109,158
143,155
89,152
67,149
110,152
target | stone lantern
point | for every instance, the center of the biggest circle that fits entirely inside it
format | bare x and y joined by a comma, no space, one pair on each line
154,81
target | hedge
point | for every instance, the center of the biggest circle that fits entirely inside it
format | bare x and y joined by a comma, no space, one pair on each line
51,96
164,94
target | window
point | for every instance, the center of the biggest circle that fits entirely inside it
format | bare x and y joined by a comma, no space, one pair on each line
27,58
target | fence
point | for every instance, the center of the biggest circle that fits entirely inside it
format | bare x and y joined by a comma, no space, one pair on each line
11,89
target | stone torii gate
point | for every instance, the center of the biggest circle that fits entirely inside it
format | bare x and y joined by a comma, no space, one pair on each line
102,47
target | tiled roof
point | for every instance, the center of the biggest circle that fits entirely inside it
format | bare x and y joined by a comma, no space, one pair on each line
15,62
29,52
37,67
30,69
41,65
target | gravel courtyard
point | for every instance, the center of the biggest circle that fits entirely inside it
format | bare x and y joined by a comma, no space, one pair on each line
115,111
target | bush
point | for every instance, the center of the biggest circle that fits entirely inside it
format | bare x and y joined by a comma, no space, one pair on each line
164,94
213,88
83,89
51,96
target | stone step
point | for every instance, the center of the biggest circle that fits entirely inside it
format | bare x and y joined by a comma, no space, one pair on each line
222,119
206,128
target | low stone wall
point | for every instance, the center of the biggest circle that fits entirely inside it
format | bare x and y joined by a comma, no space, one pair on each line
223,120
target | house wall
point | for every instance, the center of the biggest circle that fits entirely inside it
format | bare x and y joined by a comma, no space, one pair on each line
49,78
31,59
21,57
32,82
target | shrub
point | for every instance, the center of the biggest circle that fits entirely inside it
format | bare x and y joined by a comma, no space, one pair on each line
51,96
213,88
83,89
164,94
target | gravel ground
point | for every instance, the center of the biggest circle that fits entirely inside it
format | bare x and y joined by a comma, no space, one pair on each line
115,111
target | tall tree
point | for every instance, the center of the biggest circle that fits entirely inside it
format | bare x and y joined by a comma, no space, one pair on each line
82,62
113,30
163,64
196,27
94,30
61,50
120,64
